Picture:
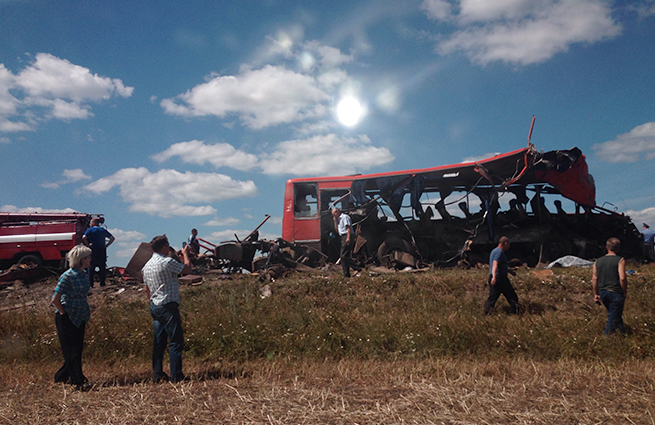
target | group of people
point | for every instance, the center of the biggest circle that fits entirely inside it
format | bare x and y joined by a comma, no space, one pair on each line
160,276
609,282
161,272
610,285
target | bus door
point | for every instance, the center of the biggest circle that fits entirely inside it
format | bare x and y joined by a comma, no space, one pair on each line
330,198
306,219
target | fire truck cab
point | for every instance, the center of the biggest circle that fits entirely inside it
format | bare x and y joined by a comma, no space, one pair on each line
40,238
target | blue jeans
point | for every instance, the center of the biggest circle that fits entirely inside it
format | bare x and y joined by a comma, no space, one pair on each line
614,302
167,323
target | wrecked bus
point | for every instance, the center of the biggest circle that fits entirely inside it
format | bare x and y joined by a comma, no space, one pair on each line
543,201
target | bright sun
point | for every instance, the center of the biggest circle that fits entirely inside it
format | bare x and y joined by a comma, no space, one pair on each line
349,111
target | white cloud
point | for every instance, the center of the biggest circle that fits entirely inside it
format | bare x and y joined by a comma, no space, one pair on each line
70,176
437,9
521,31
75,175
645,9
172,193
4,140
217,221
283,42
13,208
51,87
260,98
53,78
219,155
69,110
127,242
7,126
329,57
480,157
275,220
8,103
637,144
643,216
324,155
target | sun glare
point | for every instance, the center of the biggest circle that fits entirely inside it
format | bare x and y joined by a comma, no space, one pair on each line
349,111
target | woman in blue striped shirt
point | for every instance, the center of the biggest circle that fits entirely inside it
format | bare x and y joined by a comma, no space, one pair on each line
72,315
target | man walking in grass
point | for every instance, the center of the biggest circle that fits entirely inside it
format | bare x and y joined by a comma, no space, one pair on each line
611,285
498,281
160,275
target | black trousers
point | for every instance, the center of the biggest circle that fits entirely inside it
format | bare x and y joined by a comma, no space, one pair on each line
504,287
71,339
346,261
99,261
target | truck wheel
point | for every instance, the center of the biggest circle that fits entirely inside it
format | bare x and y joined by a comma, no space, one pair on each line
393,244
31,259
556,248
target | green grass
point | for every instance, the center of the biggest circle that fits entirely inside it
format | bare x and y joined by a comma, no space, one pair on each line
399,316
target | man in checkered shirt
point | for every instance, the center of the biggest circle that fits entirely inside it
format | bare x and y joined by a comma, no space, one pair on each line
160,275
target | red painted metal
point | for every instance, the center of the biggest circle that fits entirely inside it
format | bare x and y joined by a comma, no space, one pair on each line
45,235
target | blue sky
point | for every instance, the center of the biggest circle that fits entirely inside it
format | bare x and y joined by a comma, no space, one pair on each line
169,115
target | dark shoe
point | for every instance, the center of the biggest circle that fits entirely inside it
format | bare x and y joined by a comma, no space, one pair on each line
84,387
160,377
181,377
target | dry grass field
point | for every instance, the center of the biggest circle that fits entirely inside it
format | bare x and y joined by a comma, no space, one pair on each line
379,349
440,391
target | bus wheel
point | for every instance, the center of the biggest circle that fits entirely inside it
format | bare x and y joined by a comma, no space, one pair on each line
556,248
391,245
31,259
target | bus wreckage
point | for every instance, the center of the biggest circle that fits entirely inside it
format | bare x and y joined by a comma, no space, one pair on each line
545,202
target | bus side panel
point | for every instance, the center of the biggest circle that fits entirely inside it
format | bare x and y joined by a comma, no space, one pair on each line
305,230
287,216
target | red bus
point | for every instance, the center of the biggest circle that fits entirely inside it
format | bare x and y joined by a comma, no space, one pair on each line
449,213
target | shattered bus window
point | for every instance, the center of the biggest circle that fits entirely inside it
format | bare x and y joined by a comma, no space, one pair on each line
305,200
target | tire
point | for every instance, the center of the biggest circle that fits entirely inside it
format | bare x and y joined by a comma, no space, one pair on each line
393,244
31,259
555,248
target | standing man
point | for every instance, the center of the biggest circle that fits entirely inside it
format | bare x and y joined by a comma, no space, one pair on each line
649,242
95,238
343,225
610,285
498,281
193,241
160,275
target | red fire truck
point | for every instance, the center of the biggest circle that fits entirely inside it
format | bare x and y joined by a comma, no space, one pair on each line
40,238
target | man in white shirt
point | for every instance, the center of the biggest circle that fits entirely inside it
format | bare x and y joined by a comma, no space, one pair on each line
343,225
160,275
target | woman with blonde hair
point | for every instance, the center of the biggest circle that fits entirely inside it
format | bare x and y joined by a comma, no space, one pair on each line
72,314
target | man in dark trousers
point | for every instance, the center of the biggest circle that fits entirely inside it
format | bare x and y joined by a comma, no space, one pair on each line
344,227
498,281
98,239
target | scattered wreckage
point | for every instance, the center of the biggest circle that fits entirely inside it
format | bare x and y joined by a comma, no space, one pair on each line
272,258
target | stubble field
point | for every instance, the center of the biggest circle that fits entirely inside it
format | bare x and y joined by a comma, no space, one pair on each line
385,348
